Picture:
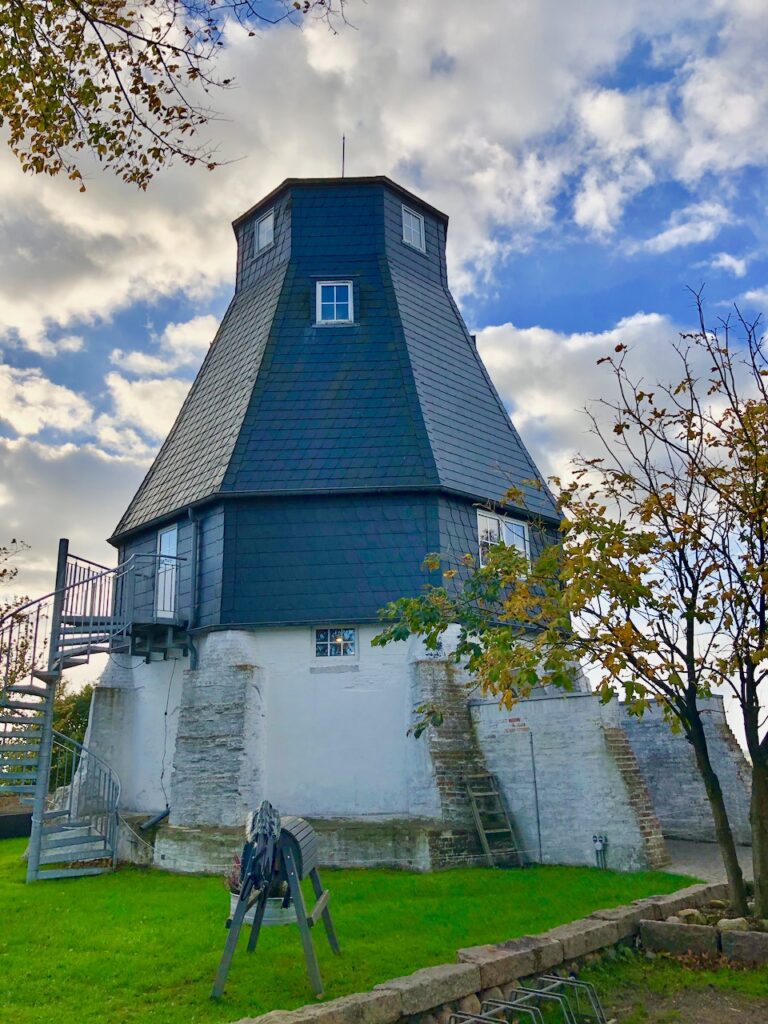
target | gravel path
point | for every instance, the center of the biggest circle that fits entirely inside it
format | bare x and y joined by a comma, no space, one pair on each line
702,860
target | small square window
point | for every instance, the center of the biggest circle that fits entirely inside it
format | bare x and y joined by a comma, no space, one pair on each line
493,529
413,229
265,231
334,302
336,642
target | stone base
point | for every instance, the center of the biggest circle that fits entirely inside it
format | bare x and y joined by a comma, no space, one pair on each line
412,844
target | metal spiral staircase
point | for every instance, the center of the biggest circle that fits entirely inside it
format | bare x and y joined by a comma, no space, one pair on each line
74,794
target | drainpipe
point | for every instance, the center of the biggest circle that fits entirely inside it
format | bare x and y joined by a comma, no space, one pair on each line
193,586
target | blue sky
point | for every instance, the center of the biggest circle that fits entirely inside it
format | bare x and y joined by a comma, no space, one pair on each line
595,160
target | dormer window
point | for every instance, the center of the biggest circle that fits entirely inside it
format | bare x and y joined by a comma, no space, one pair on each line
494,529
264,233
334,302
413,229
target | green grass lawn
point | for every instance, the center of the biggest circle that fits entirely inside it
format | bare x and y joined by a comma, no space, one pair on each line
142,945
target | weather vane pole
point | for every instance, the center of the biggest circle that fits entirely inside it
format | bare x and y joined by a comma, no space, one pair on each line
343,153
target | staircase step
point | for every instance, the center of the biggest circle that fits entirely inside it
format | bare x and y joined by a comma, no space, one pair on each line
16,748
45,676
17,762
58,830
17,705
497,831
75,854
51,815
81,830
17,787
72,873
52,843
18,720
76,621
34,691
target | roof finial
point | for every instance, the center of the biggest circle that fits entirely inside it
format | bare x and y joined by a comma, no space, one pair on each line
343,153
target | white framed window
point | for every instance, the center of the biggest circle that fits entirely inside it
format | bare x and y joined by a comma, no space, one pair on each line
334,302
413,229
264,232
166,573
335,642
495,529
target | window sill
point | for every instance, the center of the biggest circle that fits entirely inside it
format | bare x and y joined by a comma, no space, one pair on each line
321,669
413,248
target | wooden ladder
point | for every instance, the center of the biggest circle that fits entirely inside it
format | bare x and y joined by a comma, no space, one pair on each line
497,836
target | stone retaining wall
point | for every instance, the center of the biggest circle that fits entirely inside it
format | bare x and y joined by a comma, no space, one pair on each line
431,995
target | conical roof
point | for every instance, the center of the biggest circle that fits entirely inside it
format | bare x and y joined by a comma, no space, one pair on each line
398,401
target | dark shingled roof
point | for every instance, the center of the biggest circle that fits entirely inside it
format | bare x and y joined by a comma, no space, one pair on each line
398,402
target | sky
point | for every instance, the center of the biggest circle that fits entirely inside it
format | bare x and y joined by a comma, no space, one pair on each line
596,160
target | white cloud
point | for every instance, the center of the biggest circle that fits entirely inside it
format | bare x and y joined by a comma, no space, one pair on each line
29,403
493,118
699,222
731,264
88,491
547,378
757,297
180,345
150,405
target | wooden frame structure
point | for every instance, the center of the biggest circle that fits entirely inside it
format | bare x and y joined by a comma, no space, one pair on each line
295,859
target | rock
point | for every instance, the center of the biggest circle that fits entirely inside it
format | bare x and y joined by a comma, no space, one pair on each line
675,919
625,918
584,936
469,1004
433,986
444,1015
491,993
746,947
504,962
733,924
718,904
664,936
690,916
360,1008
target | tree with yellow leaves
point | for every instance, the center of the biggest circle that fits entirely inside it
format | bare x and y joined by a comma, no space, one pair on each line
121,79
658,582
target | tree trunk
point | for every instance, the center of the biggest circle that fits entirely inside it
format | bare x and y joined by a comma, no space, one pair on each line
737,890
758,816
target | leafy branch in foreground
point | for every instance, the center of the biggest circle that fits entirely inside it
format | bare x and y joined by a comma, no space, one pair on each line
119,78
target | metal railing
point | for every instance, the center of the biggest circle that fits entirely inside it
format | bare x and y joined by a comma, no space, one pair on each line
83,790
95,606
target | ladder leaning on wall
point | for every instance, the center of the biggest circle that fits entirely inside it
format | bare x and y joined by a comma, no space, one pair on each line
494,827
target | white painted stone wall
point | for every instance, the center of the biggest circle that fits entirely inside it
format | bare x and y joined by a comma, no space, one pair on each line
669,766
550,755
336,741
132,726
